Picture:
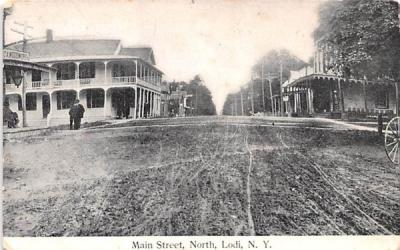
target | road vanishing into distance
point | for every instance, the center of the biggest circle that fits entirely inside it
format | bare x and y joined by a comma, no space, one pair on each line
202,176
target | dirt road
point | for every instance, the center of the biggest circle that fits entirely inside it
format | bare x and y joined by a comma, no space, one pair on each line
208,177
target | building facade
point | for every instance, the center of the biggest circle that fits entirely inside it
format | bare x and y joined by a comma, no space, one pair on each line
316,91
111,81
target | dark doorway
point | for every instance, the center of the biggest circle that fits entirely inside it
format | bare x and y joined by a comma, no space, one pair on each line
122,100
45,105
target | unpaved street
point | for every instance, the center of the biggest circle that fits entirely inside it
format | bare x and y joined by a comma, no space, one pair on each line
201,176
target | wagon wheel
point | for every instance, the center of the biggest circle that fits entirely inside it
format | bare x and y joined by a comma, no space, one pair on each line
392,140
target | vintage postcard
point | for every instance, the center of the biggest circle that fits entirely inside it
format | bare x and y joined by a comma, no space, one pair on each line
252,121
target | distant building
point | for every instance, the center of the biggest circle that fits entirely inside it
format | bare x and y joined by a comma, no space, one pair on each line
178,101
109,80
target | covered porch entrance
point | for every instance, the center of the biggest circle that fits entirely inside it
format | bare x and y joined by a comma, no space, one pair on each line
121,102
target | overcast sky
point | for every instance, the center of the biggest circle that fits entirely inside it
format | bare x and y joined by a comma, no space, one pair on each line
220,40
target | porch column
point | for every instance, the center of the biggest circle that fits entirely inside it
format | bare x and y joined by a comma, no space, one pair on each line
139,103
309,103
295,100
48,121
151,104
341,97
147,100
105,71
136,103
142,104
312,101
136,71
151,76
77,71
159,105
105,103
154,104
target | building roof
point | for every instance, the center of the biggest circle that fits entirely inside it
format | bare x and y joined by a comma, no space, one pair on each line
61,48
144,53
69,48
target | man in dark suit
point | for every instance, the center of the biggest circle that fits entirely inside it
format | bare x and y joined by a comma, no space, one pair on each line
75,115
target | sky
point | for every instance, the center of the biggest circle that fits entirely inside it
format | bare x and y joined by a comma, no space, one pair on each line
219,40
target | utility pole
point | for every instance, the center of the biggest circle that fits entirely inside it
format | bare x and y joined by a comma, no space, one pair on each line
270,93
281,90
241,100
236,113
25,35
262,84
196,102
252,95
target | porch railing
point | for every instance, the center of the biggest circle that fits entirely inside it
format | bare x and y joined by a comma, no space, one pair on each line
361,113
66,83
40,84
86,81
124,79
149,85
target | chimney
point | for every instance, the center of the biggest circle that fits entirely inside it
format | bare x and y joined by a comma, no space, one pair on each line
49,35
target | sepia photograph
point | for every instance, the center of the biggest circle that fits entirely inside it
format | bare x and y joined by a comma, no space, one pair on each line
201,118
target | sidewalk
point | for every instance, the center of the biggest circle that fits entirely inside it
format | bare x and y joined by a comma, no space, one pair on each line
364,126
13,133
19,132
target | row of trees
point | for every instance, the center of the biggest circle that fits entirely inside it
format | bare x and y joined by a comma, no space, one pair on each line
198,97
255,96
360,39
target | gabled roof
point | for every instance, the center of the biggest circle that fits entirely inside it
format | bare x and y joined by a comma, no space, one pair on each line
61,48
145,53
40,50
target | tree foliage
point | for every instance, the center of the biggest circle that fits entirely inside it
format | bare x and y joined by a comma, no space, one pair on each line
269,63
361,37
201,99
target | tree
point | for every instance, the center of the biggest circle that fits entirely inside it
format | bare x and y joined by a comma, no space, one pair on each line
269,63
361,38
201,98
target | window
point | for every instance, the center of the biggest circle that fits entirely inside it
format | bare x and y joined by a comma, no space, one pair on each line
65,99
87,70
65,71
31,101
95,98
382,99
36,75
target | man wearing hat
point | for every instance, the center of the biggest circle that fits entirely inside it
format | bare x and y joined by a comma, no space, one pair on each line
75,115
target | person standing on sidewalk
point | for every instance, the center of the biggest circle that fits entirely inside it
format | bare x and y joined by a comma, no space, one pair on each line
75,115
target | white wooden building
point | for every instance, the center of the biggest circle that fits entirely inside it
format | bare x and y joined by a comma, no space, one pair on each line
109,80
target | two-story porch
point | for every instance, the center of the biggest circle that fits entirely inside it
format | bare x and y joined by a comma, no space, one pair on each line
107,87
109,80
